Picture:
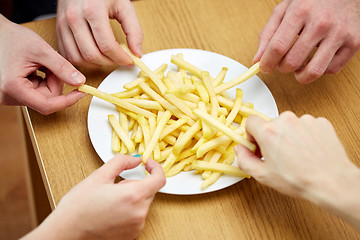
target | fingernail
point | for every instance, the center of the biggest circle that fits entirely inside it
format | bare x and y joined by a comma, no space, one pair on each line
83,94
139,47
264,69
255,59
236,149
76,77
137,155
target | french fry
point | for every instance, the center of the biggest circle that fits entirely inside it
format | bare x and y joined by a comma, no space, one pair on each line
252,71
128,93
121,133
177,102
220,77
214,176
215,123
173,126
180,144
146,69
114,100
125,126
167,105
171,159
210,87
207,146
145,104
207,132
145,130
185,65
160,69
245,109
155,137
236,107
142,77
115,142
219,167
200,88
179,166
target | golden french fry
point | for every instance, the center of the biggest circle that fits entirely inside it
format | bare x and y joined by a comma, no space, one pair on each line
214,176
214,159
173,126
155,137
207,146
177,102
182,141
144,124
220,77
210,87
167,105
134,83
171,159
179,166
207,131
215,123
236,107
201,89
121,133
219,167
245,109
160,69
128,93
146,69
185,65
252,71
114,100
115,142
125,126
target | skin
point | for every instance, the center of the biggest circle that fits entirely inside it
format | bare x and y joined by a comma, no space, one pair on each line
298,28
98,208
85,36
303,158
19,62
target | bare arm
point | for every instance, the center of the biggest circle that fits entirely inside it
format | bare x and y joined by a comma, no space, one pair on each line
98,208
303,158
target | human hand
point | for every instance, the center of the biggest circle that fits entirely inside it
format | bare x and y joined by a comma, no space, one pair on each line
85,36
297,27
22,53
301,155
99,208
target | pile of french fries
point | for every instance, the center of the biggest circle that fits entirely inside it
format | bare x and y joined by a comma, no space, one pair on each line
184,120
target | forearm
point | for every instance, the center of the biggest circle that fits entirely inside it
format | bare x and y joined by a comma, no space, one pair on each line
339,194
3,20
55,227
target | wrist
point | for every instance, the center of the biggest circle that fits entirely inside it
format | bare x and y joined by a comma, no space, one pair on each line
339,194
57,226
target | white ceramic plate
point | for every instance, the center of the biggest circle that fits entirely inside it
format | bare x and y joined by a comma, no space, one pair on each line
255,91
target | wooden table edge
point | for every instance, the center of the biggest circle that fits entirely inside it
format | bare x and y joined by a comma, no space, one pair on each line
40,162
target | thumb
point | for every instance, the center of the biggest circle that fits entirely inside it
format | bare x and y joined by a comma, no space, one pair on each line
62,68
110,170
248,161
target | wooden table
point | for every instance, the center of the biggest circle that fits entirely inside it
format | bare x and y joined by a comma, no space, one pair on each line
246,210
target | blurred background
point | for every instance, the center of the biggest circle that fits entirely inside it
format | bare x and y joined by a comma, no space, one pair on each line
21,11
16,218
